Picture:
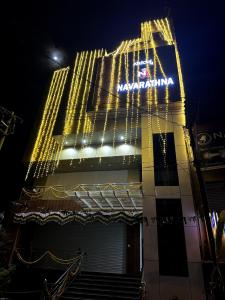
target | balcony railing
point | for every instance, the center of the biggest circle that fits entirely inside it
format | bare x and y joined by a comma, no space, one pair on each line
86,197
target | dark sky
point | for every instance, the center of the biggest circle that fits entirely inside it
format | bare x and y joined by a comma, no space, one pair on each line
30,29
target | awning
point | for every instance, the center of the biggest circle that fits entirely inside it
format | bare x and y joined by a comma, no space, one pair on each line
82,203
82,217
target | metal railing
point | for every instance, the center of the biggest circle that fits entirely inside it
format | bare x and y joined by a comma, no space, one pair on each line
52,291
143,287
64,191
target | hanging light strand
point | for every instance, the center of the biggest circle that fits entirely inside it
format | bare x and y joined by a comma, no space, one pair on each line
88,127
44,127
132,96
71,105
84,97
117,100
98,101
71,99
52,119
163,135
149,91
109,101
49,147
149,28
138,106
85,94
79,93
48,135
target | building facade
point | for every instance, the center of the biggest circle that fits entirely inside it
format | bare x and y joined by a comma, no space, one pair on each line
111,167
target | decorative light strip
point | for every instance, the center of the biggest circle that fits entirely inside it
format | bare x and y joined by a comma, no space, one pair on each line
117,99
71,105
137,108
98,98
132,100
84,96
51,121
149,91
88,123
43,138
109,100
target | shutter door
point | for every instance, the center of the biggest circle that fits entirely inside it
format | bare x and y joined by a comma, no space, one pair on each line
216,195
105,245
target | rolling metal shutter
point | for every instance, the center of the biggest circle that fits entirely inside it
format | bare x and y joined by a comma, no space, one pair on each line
105,245
216,195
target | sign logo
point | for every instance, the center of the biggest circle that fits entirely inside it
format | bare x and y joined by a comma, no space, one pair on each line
204,139
143,74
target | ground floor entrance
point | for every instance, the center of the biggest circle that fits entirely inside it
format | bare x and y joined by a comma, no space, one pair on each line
111,248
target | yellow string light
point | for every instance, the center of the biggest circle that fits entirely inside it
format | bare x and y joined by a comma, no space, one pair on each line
43,133
87,122
138,106
56,100
84,97
149,92
163,137
117,100
71,105
55,113
109,101
79,94
47,141
98,98
72,99
42,159
132,98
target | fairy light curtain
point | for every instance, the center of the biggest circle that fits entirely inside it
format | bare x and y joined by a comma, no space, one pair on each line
45,146
139,76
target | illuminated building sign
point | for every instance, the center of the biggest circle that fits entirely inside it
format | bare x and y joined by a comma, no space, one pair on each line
211,147
144,72
145,84
135,74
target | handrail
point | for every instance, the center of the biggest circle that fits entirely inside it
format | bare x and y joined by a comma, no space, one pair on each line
143,286
55,290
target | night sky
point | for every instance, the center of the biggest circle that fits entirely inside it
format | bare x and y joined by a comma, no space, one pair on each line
31,30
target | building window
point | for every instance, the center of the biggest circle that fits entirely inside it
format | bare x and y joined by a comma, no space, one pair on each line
165,165
171,239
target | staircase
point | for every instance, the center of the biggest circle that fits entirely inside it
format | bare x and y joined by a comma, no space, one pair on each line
105,286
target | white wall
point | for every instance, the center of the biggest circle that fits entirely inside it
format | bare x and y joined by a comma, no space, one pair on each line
104,151
93,177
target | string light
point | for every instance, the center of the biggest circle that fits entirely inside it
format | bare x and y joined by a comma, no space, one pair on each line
88,124
43,139
132,98
109,100
117,99
71,104
138,106
41,131
98,97
149,92
53,112
84,97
